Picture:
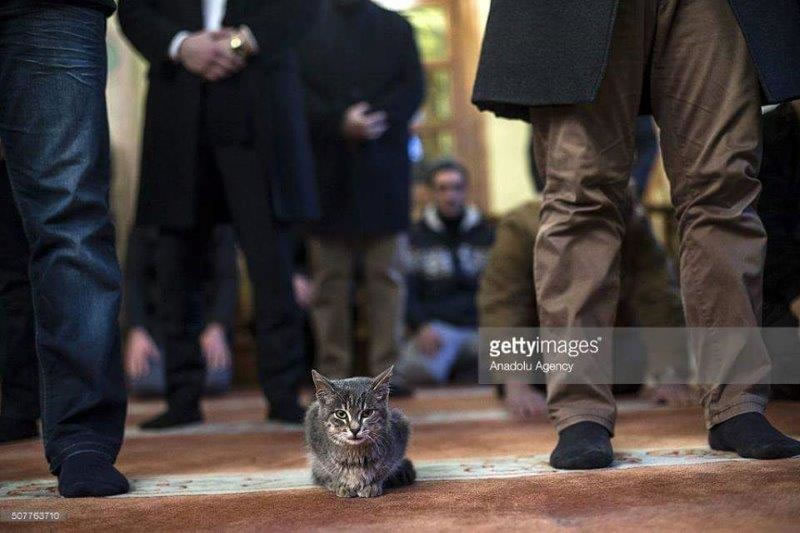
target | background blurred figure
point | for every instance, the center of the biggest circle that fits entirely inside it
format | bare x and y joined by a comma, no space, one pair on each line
646,152
19,368
54,127
364,83
225,139
449,248
649,297
779,208
214,307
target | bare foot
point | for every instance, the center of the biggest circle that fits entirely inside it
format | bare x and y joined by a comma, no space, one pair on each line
675,395
523,402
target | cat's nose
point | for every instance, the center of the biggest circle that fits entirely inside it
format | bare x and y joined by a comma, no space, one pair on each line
355,431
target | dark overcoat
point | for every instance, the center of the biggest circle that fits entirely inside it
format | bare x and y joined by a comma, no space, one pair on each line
364,53
270,95
549,52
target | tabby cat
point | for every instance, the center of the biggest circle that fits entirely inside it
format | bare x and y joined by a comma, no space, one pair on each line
357,442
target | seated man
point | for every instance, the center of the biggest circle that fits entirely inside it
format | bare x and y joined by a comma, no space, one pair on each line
649,298
449,246
214,308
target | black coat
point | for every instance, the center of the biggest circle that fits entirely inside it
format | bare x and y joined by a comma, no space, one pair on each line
367,54
779,209
547,52
268,93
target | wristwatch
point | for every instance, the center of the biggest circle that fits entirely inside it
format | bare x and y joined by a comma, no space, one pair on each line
237,45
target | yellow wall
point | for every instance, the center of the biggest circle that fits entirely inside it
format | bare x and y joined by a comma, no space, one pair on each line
125,93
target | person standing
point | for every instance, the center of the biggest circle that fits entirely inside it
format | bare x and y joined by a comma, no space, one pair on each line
214,308
364,83
225,139
581,72
59,275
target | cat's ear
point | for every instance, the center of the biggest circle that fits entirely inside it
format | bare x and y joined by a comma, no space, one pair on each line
323,386
380,384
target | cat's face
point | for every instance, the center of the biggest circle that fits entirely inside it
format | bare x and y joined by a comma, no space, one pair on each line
354,410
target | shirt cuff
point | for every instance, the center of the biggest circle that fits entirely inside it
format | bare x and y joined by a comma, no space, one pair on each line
175,44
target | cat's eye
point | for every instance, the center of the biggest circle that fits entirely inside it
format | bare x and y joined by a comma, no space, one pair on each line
340,413
366,413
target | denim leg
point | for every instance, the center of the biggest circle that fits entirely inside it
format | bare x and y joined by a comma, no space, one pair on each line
420,368
54,127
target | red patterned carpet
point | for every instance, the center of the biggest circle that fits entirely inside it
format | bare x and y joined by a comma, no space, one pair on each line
478,470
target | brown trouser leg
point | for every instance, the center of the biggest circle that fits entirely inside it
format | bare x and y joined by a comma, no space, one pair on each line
333,265
706,98
586,151
386,300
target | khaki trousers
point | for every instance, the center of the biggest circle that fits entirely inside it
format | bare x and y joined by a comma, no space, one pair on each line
705,97
333,262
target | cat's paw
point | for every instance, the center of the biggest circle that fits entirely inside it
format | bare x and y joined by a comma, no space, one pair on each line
370,491
345,492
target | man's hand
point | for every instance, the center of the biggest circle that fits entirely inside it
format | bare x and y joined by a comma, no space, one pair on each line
303,290
362,125
214,345
524,403
428,341
670,395
208,54
139,351
794,307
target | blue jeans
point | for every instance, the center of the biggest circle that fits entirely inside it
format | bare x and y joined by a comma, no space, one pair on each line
54,128
421,369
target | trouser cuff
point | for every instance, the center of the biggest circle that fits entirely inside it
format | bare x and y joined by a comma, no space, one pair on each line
604,420
109,452
716,415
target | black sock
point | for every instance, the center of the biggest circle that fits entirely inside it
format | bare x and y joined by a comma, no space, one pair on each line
174,417
14,429
582,446
90,474
751,435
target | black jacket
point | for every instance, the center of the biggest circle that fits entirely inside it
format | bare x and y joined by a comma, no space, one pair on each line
108,6
446,268
215,301
546,52
267,93
367,54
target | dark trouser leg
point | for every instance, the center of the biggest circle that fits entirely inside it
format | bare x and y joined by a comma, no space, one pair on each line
585,151
267,247
54,127
20,368
181,259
